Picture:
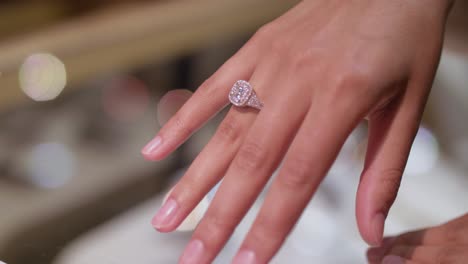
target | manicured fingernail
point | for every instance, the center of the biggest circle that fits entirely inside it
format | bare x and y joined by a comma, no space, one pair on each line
393,260
165,214
152,146
377,253
245,257
193,253
378,223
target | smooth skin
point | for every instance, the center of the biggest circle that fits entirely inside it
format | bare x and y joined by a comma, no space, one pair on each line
320,69
446,243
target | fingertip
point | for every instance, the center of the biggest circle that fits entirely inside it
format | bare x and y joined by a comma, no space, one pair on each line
151,157
164,219
151,151
364,215
163,229
378,226
168,228
372,229
157,227
371,214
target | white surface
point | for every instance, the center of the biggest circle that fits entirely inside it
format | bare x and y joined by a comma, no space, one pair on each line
327,232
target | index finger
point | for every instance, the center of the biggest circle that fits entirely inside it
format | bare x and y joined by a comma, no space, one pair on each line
209,99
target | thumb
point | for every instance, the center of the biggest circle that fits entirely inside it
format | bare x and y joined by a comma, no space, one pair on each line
391,134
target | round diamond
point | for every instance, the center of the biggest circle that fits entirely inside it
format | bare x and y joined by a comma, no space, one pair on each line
240,93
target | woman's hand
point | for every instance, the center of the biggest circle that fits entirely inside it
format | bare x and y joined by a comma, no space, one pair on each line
319,69
447,243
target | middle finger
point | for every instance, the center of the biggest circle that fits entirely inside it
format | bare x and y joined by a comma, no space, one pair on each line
257,158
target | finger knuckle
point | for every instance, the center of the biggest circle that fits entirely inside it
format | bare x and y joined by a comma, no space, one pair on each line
265,231
208,87
305,63
229,131
262,37
250,156
390,180
182,126
214,228
264,32
295,173
350,82
280,47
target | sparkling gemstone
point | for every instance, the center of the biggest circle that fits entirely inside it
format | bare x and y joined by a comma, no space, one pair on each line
240,93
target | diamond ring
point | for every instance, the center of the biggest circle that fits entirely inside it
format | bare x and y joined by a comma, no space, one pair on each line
242,94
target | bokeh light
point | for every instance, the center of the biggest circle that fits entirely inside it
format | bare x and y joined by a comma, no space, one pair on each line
42,77
170,103
424,153
125,98
50,165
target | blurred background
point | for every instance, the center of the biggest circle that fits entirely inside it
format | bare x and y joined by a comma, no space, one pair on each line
79,86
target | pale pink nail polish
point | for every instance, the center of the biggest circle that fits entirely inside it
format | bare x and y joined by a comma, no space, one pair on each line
245,257
166,214
393,260
193,253
378,224
152,146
